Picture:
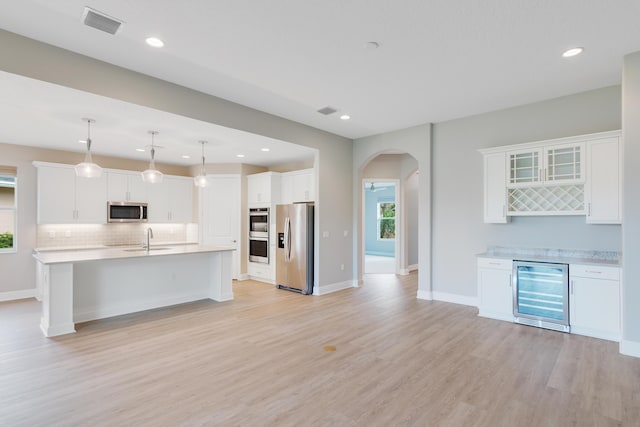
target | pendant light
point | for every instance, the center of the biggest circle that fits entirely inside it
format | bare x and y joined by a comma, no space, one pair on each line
201,180
152,175
88,169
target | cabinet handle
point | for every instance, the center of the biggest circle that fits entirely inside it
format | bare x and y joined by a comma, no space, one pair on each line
593,271
504,210
545,174
510,280
571,287
589,209
540,175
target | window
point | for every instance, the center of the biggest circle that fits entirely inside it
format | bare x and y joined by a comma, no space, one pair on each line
7,209
386,220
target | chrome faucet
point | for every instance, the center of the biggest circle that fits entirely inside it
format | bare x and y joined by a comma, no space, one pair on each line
149,236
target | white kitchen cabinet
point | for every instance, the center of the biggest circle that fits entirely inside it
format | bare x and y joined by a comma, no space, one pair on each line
171,201
495,188
126,187
594,301
64,198
546,165
297,186
578,175
495,293
263,189
603,189
261,272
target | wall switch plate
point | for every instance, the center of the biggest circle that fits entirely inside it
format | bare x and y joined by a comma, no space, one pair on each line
52,234
345,233
342,267
325,234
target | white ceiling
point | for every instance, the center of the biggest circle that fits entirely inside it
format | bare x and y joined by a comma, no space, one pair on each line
437,59
41,114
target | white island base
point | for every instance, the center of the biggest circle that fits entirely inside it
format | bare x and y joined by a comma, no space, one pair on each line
87,289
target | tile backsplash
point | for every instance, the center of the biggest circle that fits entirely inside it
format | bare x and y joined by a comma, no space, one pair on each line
87,235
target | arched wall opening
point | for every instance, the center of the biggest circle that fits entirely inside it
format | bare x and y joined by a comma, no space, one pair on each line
416,143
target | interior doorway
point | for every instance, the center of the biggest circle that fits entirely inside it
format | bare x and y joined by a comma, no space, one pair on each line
381,225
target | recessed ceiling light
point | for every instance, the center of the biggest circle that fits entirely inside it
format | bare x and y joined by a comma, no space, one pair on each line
345,117
572,52
82,141
154,42
186,156
239,155
141,150
265,149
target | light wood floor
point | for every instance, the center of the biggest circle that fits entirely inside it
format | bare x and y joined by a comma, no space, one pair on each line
260,361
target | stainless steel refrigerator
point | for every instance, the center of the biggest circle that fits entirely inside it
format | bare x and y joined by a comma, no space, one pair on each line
294,249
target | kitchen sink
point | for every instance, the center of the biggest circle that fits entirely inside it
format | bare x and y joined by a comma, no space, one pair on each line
145,249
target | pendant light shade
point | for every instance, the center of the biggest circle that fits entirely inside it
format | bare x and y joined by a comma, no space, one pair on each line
88,169
152,175
201,180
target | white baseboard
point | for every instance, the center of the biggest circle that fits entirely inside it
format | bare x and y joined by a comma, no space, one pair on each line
496,315
595,333
334,287
630,348
242,277
426,295
455,298
16,295
93,313
67,328
262,279
412,267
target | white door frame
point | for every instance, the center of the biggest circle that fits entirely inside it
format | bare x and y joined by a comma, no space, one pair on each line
400,228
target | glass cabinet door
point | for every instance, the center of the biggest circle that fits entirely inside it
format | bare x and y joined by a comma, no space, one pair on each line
564,164
524,167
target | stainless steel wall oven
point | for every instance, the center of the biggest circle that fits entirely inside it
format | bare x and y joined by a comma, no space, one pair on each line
259,235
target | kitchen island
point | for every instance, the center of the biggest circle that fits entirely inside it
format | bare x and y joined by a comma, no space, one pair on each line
82,285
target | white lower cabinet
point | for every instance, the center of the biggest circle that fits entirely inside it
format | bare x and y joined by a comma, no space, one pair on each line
594,298
494,288
262,272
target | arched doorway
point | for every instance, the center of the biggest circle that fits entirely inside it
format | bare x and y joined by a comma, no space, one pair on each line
388,214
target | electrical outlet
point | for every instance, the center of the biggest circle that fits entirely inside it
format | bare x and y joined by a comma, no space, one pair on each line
67,233
52,234
325,234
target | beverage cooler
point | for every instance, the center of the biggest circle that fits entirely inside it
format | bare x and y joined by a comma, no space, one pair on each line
541,294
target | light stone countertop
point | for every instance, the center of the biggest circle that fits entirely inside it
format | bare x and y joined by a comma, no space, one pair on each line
564,256
120,252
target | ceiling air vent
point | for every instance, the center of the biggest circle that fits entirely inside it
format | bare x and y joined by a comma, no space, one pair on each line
101,21
327,110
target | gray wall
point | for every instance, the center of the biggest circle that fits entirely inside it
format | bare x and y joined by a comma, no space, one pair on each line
411,217
631,213
373,245
30,58
458,229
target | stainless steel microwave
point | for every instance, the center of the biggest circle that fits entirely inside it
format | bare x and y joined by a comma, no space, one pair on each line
126,212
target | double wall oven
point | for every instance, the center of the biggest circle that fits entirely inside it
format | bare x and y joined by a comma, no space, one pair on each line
259,235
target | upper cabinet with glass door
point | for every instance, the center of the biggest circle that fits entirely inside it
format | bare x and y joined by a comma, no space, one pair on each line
553,165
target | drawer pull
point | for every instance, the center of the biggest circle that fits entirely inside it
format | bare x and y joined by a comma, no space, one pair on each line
593,271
